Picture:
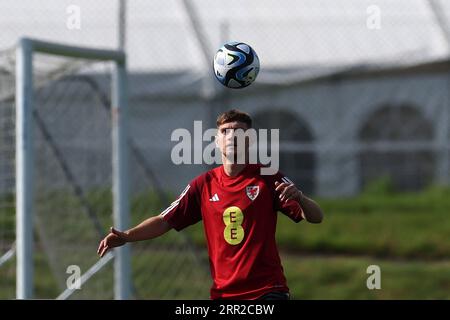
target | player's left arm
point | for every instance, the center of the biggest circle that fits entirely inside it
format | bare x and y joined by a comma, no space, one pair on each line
311,210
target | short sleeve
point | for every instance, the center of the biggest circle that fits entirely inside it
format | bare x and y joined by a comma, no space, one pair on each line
185,210
290,208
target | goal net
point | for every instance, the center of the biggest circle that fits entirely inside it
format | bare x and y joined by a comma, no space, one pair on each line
72,180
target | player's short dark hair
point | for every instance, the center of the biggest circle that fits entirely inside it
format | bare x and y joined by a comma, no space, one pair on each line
234,115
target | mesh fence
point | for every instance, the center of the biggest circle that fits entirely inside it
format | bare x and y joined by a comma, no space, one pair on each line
73,191
7,176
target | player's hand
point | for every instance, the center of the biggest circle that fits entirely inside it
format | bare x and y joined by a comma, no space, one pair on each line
287,191
114,239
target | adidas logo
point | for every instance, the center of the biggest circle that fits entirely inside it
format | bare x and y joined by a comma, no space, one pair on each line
214,198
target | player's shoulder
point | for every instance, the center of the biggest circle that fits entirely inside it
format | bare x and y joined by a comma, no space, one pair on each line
250,170
268,176
202,179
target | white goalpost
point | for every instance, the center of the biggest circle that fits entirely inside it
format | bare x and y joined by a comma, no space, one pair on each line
25,158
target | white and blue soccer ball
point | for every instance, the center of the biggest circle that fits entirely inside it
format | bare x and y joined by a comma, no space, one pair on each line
236,65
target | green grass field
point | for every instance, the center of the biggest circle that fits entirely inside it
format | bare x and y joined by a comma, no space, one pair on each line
405,234
345,278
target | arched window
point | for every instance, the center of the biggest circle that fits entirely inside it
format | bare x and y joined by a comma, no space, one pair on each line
396,143
297,159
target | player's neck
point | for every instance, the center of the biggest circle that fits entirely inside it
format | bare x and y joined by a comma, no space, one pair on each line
233,169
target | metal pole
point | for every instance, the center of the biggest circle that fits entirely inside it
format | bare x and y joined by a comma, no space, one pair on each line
202,38
24,170
122,264
222,92
122,25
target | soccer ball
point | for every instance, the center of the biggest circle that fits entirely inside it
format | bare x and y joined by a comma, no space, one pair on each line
236,65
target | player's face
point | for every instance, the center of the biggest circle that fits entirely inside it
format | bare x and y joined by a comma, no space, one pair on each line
226,137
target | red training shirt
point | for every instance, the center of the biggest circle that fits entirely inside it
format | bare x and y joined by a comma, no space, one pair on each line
239,217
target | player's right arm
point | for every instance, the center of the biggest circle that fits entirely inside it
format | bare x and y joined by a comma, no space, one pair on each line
148,229
181,213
